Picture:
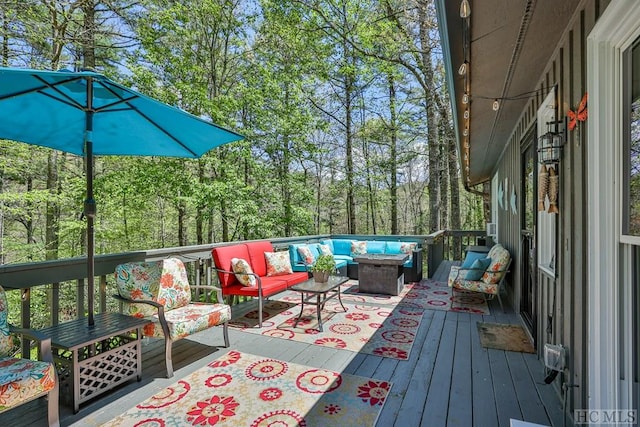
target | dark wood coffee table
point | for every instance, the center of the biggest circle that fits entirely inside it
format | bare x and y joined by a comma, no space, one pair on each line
381,273
322,291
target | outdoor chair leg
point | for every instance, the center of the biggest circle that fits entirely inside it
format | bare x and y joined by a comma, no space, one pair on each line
500,301
259,312
225,332
52,398
167,356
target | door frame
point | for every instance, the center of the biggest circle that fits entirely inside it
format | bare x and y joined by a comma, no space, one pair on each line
529,259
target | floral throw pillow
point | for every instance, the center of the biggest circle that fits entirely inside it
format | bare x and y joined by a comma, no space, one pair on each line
278,263
243,272
408,248
306,255
325,249
358,248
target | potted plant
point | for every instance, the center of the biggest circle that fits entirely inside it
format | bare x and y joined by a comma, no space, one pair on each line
323,267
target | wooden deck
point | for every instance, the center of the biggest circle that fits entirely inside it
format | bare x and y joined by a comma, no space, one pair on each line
449,379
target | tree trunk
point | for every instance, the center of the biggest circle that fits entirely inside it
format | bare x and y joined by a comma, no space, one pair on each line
348,111
52,221
393,154
182,224
88,39
200,208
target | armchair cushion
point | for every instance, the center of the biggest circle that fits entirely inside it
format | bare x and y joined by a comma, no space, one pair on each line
164,282
23,380
188,320
5,337
456,281
500,257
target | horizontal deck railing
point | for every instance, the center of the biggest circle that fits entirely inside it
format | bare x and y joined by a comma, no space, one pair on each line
57,275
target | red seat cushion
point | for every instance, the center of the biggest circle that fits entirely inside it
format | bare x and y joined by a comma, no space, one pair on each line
222,256
295,277
270,286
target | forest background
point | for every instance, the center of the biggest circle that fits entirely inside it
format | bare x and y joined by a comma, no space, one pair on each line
342,102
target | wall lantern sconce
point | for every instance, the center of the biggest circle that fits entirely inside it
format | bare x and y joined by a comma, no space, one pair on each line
550,144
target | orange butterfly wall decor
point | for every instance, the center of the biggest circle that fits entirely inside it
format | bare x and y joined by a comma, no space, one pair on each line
580,115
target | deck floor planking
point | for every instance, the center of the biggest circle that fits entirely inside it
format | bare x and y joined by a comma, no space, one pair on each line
449,379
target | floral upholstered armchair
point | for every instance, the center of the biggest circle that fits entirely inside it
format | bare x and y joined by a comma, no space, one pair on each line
160,292
485,274
23,380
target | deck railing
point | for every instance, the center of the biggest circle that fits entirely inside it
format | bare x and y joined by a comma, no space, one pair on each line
53,276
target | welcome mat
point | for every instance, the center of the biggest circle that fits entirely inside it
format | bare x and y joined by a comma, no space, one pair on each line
382,331
426,295
504,337
240,389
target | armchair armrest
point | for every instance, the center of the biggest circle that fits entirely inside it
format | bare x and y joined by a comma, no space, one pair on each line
158,306
217,289
44,342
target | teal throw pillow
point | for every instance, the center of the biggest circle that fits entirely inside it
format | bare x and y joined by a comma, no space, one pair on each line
478,268
471,258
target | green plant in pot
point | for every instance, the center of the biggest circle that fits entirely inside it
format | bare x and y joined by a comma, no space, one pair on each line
323,267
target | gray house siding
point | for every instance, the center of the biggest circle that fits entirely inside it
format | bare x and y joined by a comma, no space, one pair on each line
562,301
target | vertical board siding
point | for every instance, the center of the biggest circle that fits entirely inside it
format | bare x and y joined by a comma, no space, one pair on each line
561,314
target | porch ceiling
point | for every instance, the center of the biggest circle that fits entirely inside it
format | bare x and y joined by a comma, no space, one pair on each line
508,46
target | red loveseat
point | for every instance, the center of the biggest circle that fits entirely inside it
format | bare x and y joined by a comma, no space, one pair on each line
253,253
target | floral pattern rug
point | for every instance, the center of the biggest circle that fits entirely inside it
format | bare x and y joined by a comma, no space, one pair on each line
240,389
383,331
426,295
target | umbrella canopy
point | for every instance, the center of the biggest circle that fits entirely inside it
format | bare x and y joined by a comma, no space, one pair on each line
86,114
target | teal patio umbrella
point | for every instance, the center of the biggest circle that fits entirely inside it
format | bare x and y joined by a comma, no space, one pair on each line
87,114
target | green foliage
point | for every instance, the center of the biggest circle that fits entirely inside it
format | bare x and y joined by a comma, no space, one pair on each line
324,264
276,72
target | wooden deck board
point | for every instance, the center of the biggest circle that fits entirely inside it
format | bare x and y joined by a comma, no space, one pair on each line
460,394
413,402
437,403
503,389
448,380
483,399
527,395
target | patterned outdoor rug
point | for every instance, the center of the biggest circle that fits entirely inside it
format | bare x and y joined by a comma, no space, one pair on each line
240,389
383,331
426,295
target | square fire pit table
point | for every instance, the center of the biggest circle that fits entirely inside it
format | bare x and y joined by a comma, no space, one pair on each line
381,273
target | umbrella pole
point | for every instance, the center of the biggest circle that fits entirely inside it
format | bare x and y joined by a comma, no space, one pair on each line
89,203
90,213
